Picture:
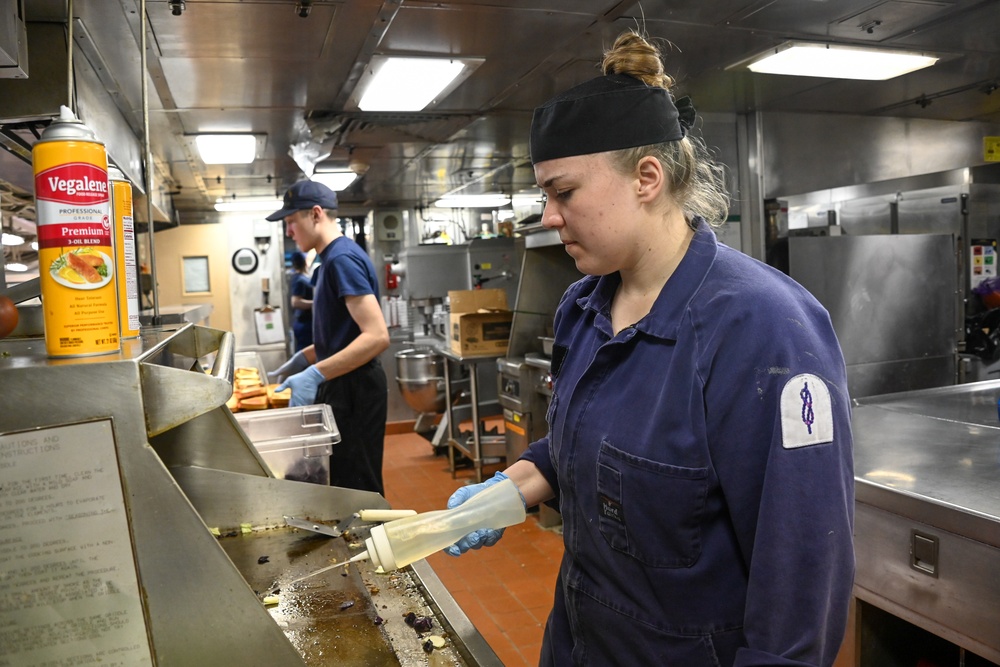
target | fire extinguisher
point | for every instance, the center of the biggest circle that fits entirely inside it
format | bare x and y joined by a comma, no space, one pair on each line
391,279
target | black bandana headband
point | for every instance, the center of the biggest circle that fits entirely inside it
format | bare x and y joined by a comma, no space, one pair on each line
606,114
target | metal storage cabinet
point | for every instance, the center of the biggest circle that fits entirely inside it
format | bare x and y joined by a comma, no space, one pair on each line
927,525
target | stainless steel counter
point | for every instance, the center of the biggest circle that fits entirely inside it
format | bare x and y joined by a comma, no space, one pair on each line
934,456
175,314
927,526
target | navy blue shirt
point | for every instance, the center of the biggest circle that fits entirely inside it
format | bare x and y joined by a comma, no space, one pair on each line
702,461
302,287
345,270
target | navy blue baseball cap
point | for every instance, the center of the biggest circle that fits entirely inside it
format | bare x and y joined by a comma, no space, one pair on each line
304,195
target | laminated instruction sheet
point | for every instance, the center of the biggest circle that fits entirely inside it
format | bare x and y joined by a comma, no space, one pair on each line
69,589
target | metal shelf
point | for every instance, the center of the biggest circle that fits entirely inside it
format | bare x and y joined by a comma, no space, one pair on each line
479,447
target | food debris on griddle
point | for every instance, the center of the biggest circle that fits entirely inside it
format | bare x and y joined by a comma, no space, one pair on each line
263,559
346,605
418,623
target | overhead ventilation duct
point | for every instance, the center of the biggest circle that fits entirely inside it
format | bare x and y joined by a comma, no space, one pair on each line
38,96
31,103
13,40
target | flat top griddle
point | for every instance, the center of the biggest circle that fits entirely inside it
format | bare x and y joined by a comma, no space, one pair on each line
346,616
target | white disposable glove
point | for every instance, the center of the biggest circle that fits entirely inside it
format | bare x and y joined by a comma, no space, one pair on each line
304,386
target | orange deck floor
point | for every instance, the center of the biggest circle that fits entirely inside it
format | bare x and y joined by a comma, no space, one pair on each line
506,590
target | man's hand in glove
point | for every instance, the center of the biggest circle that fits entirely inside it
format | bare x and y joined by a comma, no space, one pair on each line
477,538
296,364
303,386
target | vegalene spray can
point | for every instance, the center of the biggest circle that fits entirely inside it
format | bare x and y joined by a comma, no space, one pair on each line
76,264
125,257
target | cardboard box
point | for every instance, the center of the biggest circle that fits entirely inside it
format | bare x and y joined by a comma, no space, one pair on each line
480,322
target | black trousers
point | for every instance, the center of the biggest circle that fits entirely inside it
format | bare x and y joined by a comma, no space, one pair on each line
360,403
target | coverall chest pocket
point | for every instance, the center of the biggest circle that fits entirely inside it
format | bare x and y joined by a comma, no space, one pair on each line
650,510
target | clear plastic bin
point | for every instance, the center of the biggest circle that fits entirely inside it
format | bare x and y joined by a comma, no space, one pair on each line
296,443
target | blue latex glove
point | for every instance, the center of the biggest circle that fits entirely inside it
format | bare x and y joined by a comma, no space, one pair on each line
477,538
304,386
296,364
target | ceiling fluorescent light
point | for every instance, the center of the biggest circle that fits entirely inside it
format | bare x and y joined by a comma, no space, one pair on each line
269,205
335,180
473,201
394,83
527,199
226,148
838,62
11,239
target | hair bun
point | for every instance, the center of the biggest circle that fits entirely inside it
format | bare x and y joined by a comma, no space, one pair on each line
635,56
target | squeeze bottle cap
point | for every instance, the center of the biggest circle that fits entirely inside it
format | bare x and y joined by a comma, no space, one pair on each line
379,549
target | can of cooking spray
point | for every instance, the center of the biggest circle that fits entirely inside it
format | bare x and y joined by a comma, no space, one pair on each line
125,256
76,264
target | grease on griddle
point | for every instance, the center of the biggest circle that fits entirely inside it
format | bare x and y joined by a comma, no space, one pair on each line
309,613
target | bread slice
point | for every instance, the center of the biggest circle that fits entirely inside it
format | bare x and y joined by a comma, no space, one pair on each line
250,391
278,399
254,403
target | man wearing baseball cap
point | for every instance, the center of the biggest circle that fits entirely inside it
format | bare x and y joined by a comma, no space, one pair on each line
341,367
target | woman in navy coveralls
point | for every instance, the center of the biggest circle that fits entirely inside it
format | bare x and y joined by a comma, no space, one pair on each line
699,444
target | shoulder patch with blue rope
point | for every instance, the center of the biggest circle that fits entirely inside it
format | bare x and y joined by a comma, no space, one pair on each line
806,412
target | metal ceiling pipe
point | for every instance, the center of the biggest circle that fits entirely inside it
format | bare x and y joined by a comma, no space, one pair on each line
69,56
147,158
